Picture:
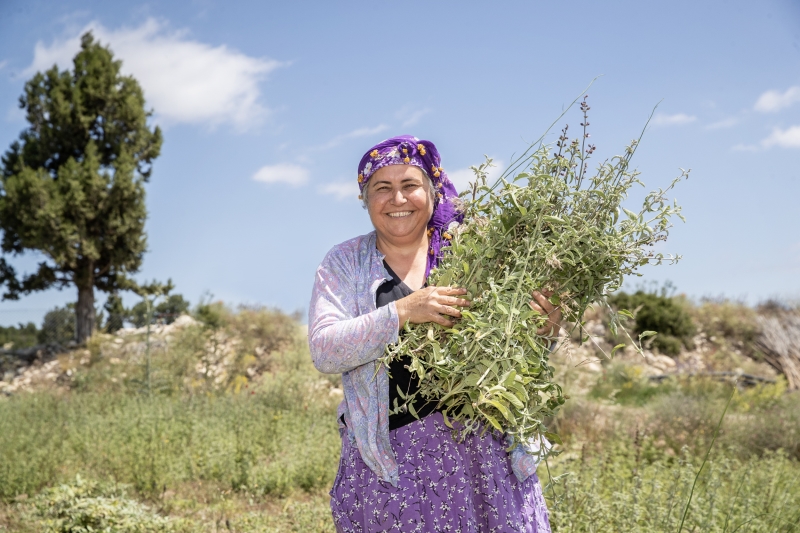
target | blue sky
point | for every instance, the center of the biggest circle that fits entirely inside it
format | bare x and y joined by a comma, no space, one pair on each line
268,106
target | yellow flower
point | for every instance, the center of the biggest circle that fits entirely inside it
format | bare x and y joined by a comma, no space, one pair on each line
407,159
373,154
361,178
447,236
421,149
405,150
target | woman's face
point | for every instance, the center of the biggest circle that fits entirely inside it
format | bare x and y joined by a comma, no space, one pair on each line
399,203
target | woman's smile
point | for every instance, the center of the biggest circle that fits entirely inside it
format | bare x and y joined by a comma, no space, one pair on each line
400,214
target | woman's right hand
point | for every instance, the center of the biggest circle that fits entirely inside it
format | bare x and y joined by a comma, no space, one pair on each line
432,304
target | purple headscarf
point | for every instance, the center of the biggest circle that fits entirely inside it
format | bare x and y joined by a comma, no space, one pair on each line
408,150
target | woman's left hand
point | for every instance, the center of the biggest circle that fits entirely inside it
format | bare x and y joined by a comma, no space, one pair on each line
541,304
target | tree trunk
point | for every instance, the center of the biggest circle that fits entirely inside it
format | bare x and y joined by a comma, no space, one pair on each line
84,310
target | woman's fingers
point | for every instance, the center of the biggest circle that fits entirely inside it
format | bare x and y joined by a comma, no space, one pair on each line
451,311
452,290
441,320
544,303
432,304
450,300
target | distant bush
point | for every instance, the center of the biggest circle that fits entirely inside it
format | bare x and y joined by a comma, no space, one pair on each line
667,316
85,506
58,326
211,314
164,312
116,313
22,336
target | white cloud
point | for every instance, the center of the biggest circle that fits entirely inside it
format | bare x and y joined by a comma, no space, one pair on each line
410,116
725,123
772,101
462,177
184,81
672,120
360,132
788,138
294,175
341,190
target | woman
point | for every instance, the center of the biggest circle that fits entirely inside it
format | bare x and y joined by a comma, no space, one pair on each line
398,473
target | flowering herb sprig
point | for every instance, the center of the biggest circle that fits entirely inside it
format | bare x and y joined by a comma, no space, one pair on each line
545,224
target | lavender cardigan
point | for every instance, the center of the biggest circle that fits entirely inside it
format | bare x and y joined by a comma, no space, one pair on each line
347,334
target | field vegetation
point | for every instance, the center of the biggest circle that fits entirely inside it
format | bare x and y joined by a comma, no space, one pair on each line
232,429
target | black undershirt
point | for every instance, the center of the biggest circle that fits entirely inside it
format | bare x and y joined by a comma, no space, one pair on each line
400,376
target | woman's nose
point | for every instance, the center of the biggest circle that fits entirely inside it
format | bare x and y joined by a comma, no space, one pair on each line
399,198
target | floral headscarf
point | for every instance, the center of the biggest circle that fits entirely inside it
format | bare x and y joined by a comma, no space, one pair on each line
408,150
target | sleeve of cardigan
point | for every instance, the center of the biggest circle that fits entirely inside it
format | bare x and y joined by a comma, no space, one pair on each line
339,339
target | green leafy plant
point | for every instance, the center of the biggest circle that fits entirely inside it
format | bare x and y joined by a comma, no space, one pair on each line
58,326
661,313
83,506
547,223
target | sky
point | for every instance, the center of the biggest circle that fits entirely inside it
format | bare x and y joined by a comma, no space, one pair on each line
266,108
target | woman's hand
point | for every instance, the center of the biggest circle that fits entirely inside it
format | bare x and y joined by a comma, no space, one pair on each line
432,304
541,304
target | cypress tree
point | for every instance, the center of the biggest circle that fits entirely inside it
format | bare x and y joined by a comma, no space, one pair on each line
72,186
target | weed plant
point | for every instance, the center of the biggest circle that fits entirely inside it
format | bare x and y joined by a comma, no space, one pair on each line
272,442
623,490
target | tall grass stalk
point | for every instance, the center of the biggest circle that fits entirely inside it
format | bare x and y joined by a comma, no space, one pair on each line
705,459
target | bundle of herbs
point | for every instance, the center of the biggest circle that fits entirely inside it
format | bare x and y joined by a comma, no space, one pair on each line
546,224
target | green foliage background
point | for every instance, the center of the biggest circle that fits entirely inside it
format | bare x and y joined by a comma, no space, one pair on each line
260,455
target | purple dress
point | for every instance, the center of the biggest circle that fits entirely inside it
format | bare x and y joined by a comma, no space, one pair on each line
445,486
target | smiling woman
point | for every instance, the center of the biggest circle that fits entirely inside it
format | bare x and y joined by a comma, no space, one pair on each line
403,471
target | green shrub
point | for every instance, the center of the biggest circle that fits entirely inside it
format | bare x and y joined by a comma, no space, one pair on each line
58,326
667,316
85,506
212,314
164,312
22,336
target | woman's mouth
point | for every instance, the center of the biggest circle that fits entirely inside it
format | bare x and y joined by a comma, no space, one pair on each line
399,214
